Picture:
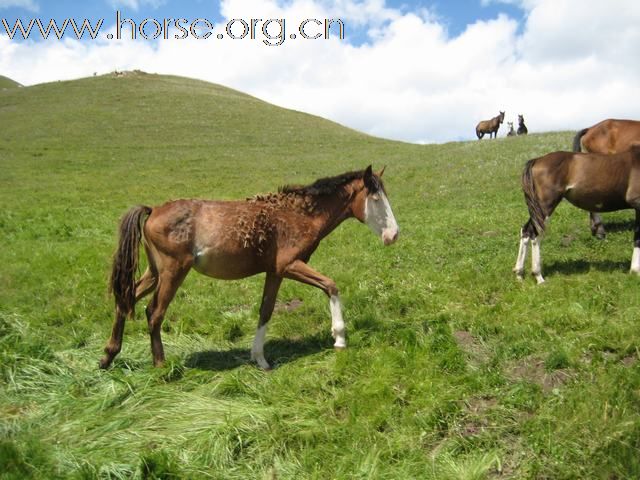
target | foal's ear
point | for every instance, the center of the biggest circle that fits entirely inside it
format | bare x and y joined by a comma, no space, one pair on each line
382,171
369,180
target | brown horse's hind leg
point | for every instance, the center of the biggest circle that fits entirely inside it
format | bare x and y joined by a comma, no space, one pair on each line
114,345
144,286
526,233
271,286
635,258
597,228
169,281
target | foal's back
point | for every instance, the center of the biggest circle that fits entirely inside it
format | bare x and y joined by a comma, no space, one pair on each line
590,181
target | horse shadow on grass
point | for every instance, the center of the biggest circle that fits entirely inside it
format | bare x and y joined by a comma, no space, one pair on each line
582,266
619,226
277,352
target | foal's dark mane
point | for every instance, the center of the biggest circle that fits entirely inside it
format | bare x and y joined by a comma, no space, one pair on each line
328,185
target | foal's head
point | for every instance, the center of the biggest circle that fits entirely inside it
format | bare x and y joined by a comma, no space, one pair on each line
371,206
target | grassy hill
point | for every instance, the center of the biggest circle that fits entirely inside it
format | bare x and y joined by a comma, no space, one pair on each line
454,370
8,83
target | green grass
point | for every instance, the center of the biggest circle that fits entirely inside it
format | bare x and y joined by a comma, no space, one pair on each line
454,369
7,83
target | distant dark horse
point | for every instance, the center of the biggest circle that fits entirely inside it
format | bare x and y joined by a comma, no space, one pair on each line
590,181
607,137
274,233
490,126
522,128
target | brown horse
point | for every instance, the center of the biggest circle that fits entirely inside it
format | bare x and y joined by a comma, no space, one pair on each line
490,126
274,233
607,137
590,181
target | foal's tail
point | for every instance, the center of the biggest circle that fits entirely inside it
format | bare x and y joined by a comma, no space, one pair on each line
125,260
531,197
577,147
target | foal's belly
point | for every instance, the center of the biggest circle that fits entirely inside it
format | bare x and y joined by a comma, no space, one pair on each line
594,201
226,265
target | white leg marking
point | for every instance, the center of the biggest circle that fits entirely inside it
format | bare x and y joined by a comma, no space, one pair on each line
635,260
522,256
257,351
536,260
337,323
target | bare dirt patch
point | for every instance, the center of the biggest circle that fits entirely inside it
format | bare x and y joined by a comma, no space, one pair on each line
477,352
476,419
630,360
532,369
289,306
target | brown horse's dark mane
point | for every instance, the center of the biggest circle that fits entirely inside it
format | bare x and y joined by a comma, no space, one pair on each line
326,186
306,197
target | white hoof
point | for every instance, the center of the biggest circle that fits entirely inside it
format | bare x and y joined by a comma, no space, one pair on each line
340,343
258,357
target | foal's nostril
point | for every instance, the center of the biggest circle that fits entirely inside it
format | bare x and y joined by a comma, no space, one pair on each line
395,237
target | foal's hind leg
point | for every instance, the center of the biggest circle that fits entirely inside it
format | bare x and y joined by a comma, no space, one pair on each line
536,260
522,254
144,286
169,280
114,345
528,235
271,286
635,258
597,228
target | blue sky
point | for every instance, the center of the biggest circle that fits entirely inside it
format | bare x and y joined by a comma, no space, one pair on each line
424,71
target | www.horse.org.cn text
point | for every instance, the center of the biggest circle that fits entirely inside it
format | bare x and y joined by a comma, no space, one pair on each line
272,32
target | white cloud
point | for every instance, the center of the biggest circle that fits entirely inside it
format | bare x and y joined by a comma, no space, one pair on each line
136,4
30,5
567,67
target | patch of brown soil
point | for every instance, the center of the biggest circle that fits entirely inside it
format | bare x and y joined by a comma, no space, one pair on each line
290,306
531,369
476,351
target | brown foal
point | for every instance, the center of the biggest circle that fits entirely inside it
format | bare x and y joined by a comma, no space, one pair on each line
274,233
590,181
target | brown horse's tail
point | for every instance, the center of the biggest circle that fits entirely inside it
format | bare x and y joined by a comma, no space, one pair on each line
531,197
577,147
125,260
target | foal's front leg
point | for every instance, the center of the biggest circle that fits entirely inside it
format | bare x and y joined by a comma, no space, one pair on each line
300,271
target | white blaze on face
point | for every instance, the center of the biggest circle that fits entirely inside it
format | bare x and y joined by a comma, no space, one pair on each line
379,217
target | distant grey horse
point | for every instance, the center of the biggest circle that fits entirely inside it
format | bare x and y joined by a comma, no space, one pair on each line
511,132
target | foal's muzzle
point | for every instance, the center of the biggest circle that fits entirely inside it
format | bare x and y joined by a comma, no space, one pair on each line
389,235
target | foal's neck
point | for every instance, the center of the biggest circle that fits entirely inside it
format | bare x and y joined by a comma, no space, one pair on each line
333,211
